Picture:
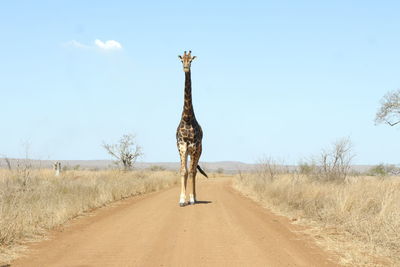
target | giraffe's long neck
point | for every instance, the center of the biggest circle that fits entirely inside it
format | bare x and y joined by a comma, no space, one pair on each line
188,112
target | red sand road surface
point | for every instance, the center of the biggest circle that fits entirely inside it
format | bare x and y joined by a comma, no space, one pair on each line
226,229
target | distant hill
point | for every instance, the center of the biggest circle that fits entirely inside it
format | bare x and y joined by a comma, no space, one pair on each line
225,166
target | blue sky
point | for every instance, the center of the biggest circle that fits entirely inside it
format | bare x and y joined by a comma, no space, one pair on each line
273,78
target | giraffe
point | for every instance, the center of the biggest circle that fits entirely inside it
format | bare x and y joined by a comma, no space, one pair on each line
188,138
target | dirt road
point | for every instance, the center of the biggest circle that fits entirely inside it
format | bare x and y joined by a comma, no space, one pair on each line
225,229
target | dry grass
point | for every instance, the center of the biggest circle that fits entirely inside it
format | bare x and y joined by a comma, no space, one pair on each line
33,201
359,219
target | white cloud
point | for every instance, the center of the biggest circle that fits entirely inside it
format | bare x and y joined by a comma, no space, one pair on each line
108,45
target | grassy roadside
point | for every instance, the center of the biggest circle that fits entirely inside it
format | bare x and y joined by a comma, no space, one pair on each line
359,220
33,202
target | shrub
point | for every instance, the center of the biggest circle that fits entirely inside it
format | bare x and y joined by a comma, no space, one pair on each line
155,168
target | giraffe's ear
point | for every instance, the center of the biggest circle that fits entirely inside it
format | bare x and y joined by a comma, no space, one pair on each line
180,57
193,58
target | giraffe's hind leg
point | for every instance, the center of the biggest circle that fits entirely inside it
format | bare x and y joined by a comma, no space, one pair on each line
183,153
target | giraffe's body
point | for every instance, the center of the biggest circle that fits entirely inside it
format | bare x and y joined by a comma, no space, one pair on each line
189,137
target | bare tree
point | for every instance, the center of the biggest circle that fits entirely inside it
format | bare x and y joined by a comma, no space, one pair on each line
270,169
126,152
335,162
389,112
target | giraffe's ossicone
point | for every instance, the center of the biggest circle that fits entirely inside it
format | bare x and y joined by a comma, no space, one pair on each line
189,136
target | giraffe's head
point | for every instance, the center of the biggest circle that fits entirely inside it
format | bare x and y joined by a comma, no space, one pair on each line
187,61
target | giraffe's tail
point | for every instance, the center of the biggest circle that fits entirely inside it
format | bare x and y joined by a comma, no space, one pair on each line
201,171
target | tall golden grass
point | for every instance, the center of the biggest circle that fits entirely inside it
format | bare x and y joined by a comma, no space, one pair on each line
359,219
33,201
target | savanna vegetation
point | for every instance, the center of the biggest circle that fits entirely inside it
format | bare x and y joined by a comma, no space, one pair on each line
355,216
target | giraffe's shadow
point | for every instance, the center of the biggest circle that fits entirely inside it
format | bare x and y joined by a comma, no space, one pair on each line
198,202
203,202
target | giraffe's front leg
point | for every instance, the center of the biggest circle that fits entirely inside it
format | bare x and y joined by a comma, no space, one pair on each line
184,173
192,186
192,178
182,197
194,160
